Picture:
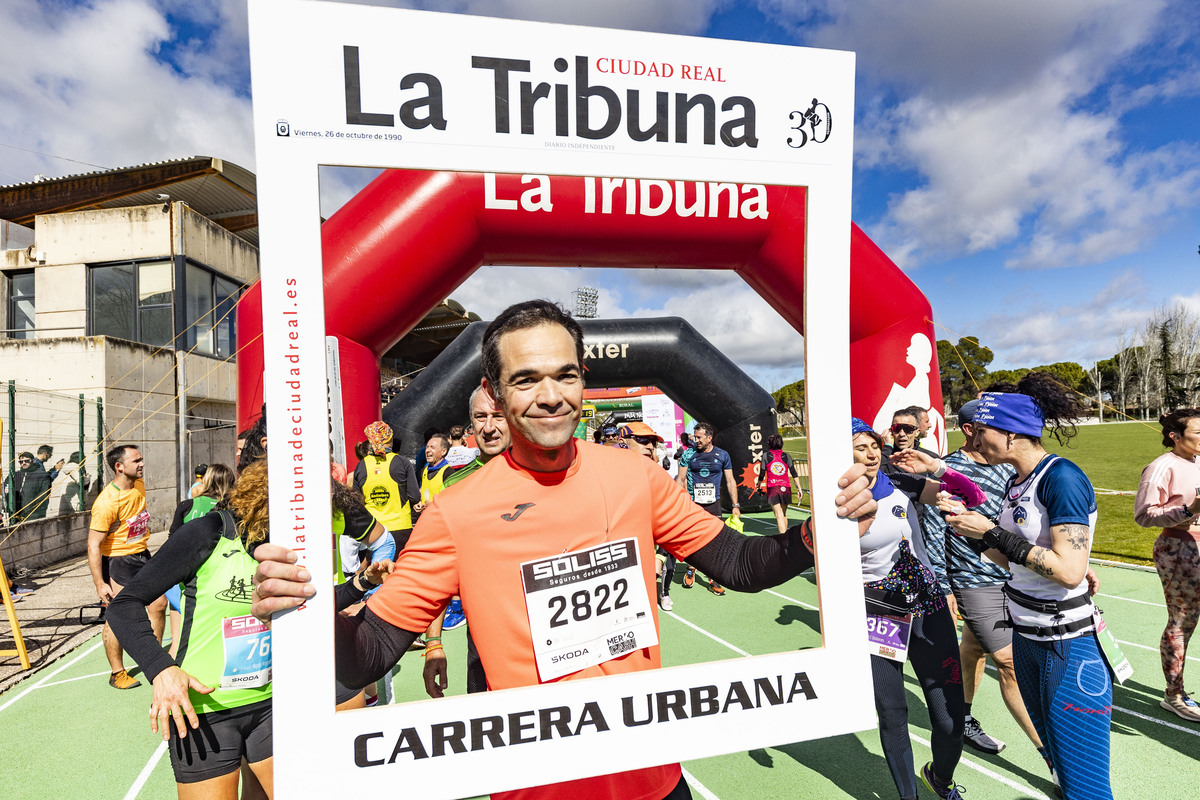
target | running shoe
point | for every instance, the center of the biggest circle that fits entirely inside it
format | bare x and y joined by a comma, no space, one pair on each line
973,734
666,603
121,680
1182,706
454,619
19,593
717,588
946,791
689,578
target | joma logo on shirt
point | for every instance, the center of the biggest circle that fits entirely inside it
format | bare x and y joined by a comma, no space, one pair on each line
516,512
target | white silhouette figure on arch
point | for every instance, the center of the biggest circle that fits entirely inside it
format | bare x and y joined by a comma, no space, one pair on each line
915,393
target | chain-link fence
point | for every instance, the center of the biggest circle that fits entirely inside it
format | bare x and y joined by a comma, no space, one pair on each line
49,451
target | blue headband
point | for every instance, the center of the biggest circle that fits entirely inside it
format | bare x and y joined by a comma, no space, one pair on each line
858,426
1014,413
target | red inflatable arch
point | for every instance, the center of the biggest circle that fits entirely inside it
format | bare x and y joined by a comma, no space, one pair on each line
409,238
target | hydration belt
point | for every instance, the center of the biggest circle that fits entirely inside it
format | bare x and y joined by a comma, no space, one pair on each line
1055,607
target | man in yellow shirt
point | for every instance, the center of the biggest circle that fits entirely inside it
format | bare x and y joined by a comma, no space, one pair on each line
118,547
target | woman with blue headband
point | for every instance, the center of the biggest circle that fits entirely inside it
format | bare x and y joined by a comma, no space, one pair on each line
1044,537
907,614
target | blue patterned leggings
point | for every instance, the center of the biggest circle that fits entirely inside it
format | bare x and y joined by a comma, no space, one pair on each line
1067,691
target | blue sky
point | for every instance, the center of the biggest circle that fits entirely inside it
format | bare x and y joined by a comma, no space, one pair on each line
1034,167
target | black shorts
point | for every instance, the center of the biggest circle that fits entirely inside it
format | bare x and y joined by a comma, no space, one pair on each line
713,508
779,495
224,737
123,569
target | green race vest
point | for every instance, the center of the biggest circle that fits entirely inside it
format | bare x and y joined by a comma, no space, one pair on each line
223,645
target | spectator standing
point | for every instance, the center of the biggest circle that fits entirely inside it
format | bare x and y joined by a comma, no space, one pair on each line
1169,498
32,484
459,454
433,476
705,470
64,490
118,547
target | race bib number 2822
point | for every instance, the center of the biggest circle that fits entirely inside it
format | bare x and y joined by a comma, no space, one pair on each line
587,607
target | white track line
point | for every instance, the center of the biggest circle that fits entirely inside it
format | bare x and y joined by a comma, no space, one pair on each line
52,674
1153,649
969,763
144,776
792,599
1131,600
68,680
1026,791
700,788
712,636
1148,718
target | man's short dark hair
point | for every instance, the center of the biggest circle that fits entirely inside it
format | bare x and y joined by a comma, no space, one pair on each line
704,426
457,432
917,411
117,454
520,316
905,412
439,435
46,449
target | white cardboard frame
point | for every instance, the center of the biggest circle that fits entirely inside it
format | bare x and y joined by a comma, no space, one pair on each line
297,67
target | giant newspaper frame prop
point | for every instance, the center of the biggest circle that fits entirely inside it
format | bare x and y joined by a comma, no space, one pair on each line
314,107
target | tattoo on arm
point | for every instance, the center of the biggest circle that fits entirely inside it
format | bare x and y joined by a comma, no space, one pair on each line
1077,536
1037,561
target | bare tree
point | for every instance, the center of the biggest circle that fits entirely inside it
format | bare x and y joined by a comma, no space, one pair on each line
1097,376
1124,366
1144,352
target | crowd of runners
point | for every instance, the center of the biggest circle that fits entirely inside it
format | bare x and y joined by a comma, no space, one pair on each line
997,534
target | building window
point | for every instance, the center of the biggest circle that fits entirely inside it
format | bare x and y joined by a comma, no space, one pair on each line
211,319
133,301
20,305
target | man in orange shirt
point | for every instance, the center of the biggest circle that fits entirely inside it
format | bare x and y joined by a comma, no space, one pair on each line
486,543
118,547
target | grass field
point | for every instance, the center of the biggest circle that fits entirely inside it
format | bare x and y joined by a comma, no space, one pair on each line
1113,456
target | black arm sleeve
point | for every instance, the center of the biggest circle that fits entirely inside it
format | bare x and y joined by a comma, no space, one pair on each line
181,511
180,557
411,485
366,647
752,563
360,474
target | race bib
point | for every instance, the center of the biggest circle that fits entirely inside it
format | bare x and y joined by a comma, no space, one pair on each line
705,493
247,653
587,607
139,526
888,635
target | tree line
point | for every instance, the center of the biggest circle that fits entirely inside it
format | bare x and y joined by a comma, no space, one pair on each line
1155,369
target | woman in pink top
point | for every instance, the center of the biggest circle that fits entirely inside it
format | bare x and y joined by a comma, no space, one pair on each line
1169,498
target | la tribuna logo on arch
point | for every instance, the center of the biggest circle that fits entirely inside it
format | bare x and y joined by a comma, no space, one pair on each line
678,117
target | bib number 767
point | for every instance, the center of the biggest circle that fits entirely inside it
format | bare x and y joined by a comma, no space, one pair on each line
584,603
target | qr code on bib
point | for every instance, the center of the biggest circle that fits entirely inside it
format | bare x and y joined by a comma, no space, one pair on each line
622,643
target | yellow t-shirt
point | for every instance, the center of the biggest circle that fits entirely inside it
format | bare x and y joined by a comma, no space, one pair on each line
123,516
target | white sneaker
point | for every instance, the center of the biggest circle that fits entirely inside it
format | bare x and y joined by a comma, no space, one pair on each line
666,603
1182,706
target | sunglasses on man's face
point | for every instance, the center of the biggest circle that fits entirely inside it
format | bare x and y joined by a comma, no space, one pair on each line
644,439
24,461
901,428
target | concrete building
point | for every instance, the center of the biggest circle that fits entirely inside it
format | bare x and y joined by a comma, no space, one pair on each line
120,286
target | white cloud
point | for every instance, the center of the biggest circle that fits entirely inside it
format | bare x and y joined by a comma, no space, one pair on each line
85,84
1004,111
1042,332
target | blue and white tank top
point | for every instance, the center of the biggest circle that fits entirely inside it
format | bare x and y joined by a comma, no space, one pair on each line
1055,493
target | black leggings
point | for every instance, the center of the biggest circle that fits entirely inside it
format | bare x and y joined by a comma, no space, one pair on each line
668,572
933,651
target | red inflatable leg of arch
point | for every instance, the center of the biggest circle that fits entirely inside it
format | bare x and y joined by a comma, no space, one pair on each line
410,237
